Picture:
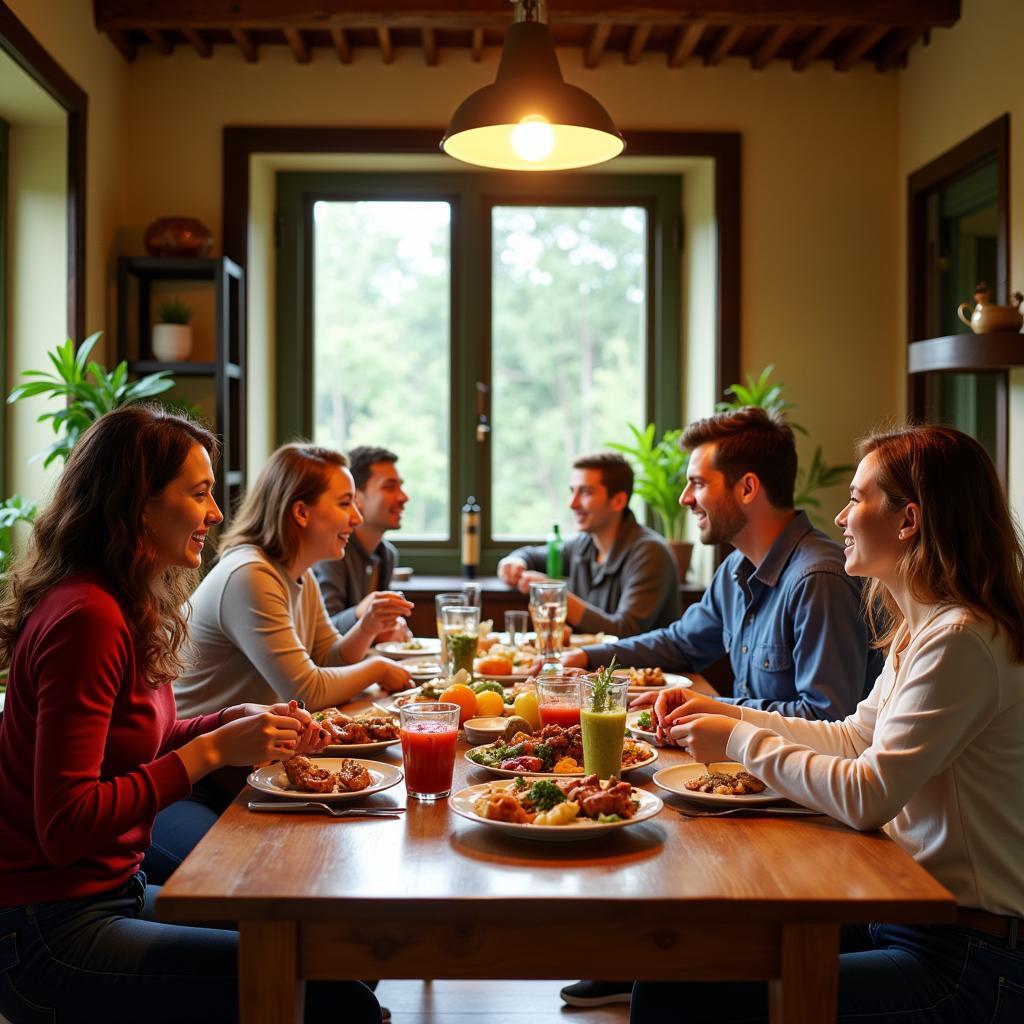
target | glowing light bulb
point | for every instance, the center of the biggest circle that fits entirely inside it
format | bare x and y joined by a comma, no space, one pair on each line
533,138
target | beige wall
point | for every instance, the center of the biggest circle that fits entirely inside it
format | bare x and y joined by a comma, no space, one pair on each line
66,32
819,199
967,78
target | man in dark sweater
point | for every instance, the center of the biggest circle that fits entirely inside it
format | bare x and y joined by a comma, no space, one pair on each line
622,576
350,584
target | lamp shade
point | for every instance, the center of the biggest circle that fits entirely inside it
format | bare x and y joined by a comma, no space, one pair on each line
530,119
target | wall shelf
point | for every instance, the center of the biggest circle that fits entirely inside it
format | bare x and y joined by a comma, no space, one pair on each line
967,353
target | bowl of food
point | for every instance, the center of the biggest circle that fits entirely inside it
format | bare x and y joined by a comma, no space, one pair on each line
484,730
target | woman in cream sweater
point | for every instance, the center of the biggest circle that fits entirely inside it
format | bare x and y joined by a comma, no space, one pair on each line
934,755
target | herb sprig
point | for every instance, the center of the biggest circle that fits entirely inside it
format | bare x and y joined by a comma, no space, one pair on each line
603,678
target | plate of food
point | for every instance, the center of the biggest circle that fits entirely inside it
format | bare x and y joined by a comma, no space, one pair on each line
330,780
534,807
415,647
423,669
553,752
640,725
650,680
504,663
421,694
366,733
590,639
721,782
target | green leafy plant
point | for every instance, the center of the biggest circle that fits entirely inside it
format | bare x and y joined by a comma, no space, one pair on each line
659,469
15,509
173,311
819,474
88,390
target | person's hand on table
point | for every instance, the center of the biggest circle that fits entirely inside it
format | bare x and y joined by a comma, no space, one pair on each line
510,569
703,737
528,576
390,675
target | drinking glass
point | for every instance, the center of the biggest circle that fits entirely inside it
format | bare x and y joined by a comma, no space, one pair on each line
441,601
471,593
429,732
559,700
547,609
603,724
515,627
461,632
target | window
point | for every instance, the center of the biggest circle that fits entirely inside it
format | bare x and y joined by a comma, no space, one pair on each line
488,330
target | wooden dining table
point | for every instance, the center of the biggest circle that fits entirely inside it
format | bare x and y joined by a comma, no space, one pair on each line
433,895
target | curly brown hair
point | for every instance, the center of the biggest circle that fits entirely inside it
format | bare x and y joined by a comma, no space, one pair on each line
968,550
95,521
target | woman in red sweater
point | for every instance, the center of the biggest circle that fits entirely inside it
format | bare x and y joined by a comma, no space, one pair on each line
92,628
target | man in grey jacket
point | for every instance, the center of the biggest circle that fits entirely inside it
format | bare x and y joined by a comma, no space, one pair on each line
350,584
622,576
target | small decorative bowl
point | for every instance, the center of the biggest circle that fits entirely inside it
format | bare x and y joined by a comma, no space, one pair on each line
484,730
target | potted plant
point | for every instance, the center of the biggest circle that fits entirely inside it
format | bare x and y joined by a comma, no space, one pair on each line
172,336
659,477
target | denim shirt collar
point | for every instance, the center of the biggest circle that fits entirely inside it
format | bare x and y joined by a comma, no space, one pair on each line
772,565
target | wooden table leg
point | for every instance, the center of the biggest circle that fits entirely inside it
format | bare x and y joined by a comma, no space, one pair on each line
269,990
806,992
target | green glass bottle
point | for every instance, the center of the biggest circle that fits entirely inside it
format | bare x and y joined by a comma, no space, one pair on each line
554,567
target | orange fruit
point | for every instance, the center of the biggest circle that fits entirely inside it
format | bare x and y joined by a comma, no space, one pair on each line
459,693
489,703
492,665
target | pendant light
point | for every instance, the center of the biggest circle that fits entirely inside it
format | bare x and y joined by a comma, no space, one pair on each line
531,119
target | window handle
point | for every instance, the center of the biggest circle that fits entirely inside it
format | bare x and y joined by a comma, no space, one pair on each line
483,426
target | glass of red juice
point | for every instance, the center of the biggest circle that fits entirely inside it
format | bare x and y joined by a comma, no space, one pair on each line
559,700
429,732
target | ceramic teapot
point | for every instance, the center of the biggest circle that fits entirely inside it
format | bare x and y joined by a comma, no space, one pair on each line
987,316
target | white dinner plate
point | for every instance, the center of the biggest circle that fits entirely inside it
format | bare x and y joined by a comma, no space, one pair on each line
399,649
509,773
582,828
508,677
591,639
647,735
671,680
423,669
674,779
272,780
352,749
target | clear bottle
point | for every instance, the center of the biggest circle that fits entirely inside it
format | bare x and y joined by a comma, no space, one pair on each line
554,566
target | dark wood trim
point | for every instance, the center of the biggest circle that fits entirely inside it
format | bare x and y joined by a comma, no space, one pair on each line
967,353
242,142
22,47
990,142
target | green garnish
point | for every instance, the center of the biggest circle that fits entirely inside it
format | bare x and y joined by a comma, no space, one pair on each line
544,795
603,678
607,819
644,721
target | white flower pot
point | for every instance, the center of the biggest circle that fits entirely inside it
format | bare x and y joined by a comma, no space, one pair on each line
172,342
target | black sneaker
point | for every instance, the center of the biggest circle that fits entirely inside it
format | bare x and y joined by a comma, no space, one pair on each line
597,993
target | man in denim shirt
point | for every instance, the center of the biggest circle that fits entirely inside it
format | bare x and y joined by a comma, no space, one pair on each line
780,605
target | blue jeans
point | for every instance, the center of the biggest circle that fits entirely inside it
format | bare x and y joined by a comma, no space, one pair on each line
104,959
888,974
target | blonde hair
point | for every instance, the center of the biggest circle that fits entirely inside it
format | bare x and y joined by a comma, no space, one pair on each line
95,521
968,548
295,472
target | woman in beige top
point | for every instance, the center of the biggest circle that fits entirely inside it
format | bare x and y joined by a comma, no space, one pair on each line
934,755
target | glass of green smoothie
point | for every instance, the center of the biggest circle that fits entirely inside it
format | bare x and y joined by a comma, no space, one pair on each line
461,632
603,723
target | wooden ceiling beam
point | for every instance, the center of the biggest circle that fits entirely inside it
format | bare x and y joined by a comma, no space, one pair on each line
725,42
387,48
896,48
859,45
298,45
429,46
160,40
477,45
816,45
773,41
341,45
199,41
123,43
685,43
596,43
468,14
637,42
246,42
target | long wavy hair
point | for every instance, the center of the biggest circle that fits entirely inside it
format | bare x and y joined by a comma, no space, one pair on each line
295,472
968,548
95,521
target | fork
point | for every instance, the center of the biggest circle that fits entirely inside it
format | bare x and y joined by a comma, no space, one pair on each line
790,811
316,807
